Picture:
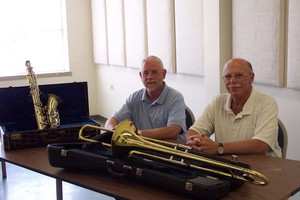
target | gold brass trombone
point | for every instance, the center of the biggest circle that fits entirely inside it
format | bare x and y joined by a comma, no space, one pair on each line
125,143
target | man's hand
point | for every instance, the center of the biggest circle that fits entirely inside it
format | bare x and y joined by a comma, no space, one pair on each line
202,143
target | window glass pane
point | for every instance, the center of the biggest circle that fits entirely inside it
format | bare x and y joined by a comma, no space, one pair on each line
32,30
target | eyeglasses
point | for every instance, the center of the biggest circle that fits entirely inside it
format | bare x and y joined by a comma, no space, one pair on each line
153,73
227,77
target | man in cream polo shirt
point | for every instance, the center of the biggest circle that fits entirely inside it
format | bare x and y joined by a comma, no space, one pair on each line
244,120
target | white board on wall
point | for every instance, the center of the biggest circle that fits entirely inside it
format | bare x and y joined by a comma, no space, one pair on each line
258,36
189,37
115,32
161,35
99,31
293,50
135,32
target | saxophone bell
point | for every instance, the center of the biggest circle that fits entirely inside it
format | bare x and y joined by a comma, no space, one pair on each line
52,112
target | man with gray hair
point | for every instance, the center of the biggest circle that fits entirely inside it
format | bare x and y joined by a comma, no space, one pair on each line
157,110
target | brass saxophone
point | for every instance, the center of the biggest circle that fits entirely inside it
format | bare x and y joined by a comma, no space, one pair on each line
47,116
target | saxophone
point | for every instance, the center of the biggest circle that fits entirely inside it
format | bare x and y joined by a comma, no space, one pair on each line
47,116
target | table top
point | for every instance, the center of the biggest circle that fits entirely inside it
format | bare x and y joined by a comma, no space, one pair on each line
283,174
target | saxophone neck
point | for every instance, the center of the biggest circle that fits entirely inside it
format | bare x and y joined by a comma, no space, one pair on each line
28,65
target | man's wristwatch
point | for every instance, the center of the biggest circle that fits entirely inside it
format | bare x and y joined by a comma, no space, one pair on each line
220,149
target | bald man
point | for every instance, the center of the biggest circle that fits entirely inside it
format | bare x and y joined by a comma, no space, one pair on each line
243,120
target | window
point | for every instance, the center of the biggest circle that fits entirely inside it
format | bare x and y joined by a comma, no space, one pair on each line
33,30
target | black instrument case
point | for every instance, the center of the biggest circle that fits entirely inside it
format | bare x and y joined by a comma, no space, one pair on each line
18,126
190,182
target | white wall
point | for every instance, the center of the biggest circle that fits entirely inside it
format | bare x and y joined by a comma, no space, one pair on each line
289,109
116,83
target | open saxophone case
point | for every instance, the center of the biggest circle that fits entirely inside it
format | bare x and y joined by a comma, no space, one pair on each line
126,155
18,124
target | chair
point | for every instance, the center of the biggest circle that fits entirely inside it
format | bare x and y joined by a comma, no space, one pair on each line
282,138
190,118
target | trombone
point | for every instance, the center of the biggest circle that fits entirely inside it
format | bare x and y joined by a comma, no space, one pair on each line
125,142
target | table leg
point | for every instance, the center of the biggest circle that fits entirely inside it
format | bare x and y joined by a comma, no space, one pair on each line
59,191
3,165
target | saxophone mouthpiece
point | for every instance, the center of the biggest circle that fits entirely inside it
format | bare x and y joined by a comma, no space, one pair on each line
27,63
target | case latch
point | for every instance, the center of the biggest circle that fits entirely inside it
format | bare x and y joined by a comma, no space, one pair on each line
139,171
16,136
63,152
188,186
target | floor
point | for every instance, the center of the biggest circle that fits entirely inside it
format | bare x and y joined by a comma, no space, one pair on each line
23,184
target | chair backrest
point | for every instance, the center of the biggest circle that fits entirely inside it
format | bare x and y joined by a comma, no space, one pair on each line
190,118
282,138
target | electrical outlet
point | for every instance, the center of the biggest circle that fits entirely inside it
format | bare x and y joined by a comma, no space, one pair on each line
112,87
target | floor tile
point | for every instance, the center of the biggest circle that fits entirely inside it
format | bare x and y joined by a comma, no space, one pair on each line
23,184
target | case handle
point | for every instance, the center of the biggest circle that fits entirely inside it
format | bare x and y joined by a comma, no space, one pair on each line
110,165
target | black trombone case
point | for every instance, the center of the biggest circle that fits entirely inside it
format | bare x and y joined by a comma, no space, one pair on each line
18,127
190,182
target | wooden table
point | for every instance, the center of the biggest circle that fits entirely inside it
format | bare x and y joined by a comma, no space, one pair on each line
284,176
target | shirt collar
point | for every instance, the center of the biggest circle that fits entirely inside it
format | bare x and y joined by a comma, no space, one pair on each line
160,99
248,107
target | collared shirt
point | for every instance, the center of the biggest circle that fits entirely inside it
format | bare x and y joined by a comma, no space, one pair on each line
167,109
257,120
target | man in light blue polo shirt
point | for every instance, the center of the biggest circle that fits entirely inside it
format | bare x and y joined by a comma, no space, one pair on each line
157,110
